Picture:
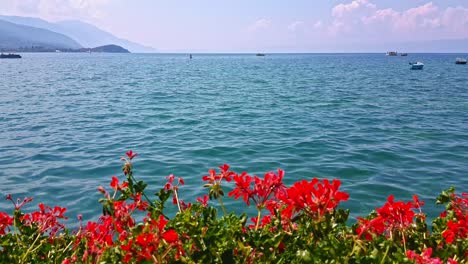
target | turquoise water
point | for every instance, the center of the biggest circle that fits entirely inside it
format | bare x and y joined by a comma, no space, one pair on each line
66,119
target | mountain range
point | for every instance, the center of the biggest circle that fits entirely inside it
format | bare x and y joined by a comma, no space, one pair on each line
14,36
16,32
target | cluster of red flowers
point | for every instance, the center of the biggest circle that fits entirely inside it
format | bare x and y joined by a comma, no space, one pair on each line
215,179
146,245
457,228
46,219
263,189
316,198
154,241
5,222
393,216
99,236
425,258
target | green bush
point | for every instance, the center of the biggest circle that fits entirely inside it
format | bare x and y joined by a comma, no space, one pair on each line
297,224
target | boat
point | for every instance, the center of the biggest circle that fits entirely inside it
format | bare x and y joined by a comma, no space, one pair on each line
460,61
417,65
392,53
404,54
10,56
260,54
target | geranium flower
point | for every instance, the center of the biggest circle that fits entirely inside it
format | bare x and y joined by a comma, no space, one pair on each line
130,154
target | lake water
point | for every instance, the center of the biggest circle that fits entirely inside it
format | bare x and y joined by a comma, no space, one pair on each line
366,119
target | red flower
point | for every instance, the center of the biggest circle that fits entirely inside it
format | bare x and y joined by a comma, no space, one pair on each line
130,154
390,217
5,222
457,226
170,236
397,214
46,219
456,229
148,244
214,181
417,203
18,203
424,258
217,178
316,197
243,182
263,222
203,201
263,189
170,185
115,184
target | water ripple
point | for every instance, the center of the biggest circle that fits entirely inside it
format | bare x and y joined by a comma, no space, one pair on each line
366,119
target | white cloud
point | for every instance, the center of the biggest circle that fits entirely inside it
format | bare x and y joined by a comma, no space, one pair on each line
455,19
296,25
362,18
380,16
342,10
260,24
318,24
346,17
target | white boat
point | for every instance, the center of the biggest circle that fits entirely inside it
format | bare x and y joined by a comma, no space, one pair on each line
460,61
417,65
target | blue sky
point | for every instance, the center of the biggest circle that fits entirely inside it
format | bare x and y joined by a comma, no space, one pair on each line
259,25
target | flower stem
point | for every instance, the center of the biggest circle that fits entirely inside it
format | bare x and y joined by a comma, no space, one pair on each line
385,255
143,192
222,205
258,219
177,199
29,249
404,240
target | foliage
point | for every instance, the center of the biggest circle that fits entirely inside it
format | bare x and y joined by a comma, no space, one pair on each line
301,223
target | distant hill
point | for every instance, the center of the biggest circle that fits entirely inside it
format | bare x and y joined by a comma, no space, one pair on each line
91,36
86,34
110,49
14,36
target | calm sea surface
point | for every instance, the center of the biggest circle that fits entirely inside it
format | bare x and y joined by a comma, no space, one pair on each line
366,119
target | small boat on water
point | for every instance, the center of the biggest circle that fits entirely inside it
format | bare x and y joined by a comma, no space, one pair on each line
10,56
260,54
392,53
403,54
417,65
460,61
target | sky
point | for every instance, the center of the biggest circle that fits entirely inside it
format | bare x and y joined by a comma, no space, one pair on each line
259,25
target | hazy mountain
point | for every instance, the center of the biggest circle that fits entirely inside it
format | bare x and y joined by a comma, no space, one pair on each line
109,49
90,35
86,34
14,36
